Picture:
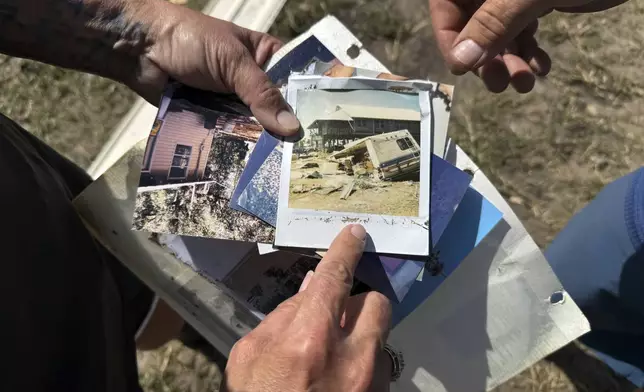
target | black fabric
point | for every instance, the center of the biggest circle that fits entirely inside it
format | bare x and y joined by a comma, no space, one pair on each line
69,309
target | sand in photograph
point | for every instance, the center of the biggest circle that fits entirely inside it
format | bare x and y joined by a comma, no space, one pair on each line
360,153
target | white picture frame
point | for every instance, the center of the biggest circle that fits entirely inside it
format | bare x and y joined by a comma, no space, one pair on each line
386,234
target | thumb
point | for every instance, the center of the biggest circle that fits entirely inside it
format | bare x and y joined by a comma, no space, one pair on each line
256,90
495,24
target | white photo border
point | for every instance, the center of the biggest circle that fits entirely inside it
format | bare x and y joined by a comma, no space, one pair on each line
387,234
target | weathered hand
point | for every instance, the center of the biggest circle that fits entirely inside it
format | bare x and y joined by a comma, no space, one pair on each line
211,54
321,339
143,43
495,38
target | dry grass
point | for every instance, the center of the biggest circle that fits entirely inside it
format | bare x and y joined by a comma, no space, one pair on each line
552,150
548,152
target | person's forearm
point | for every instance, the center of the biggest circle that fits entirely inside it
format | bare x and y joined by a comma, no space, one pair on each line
104,37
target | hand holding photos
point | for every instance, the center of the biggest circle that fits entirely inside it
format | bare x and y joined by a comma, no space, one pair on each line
373,139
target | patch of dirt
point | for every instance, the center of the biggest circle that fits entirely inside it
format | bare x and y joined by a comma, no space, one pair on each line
400,199
312,190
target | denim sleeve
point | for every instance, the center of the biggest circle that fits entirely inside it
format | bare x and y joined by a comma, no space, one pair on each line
599,259
634,209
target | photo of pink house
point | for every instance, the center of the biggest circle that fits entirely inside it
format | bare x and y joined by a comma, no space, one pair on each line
179,145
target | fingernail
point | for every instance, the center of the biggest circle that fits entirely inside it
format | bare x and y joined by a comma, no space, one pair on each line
468,52
288,120
359,232
306,281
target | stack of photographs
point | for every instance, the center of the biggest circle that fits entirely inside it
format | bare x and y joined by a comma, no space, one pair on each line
372,150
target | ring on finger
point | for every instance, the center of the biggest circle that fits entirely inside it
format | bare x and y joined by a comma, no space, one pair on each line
397,361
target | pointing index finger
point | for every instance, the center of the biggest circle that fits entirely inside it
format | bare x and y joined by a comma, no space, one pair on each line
330,286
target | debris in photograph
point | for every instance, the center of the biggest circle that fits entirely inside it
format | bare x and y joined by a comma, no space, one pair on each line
360,153
193,159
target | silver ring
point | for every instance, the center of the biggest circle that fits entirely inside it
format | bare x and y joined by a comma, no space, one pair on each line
397,361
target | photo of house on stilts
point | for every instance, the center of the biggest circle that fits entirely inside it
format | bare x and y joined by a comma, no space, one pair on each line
360,153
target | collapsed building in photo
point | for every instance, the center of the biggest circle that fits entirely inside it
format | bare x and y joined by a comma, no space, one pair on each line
346,123
388,156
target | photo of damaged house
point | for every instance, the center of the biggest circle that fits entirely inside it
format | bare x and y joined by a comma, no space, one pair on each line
179,146
193,159
360,153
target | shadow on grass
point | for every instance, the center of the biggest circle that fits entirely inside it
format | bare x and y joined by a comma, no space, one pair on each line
191,338
586,372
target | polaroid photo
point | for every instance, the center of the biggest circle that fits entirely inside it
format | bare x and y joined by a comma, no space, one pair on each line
364,157
195,154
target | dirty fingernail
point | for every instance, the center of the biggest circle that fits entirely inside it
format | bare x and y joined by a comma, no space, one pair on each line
306,281
288,120
359,232
468,52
